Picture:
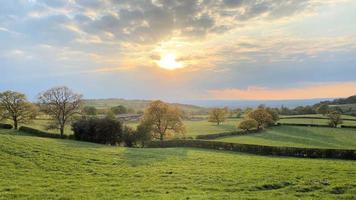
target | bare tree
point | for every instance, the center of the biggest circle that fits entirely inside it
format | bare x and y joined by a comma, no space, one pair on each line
16,107
61,103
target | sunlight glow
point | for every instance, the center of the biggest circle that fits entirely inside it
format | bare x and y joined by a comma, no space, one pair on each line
169,62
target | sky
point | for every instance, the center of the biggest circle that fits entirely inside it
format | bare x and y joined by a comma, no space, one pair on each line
180,50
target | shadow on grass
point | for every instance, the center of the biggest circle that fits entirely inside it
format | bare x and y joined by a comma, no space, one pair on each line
147,156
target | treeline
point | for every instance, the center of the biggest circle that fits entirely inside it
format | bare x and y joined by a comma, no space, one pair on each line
65,108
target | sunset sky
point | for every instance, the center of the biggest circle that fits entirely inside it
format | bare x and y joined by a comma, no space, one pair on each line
180,49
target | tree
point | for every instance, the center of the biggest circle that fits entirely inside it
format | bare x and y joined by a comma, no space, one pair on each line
90,110
334,119
237,112
322,109
248,124
144,133
62,104
262,117
218,115
16,107
163,118
117,110
129,136
274,114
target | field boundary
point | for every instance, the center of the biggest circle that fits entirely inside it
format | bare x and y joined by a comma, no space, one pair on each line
224,134
306,117
346,154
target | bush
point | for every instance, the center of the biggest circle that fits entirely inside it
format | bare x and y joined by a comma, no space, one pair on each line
248,124
259,149
6,126
103,131
226,134
40,133
307,125
129,136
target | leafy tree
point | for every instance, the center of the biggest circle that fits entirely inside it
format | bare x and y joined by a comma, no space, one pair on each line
334,119
236,112
129,136
90,110
218,115
61,104
163,118
322,109
247,110
16,107
110,114
248,124
144,133
117,110
274,114
262,117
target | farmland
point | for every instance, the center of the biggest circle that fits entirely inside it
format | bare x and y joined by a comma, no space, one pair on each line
294,136
41,168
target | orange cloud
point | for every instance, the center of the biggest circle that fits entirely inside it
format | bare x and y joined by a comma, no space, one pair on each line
329,90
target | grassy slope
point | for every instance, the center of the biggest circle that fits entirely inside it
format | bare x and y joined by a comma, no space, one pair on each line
136,104
314,121
301,137
39,168
203,127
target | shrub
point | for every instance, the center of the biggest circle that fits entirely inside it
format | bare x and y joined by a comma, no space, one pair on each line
129,136
248,124
226,134
6,126
103,131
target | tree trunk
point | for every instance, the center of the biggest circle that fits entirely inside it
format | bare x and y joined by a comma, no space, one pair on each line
61,129
15,124
161,136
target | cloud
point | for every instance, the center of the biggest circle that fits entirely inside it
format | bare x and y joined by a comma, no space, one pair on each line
323,90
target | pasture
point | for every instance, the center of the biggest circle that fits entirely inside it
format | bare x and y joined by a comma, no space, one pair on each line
295,136
41,168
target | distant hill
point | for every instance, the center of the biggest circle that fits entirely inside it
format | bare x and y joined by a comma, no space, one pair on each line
348,100
255,103
138,105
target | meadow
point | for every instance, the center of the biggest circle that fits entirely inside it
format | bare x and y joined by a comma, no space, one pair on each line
295,136
42,168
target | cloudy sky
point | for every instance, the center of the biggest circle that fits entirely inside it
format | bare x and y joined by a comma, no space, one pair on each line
180,49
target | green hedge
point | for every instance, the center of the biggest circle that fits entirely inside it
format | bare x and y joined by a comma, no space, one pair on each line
226,134
40,133
310,117
6,126
345,126
308,125
259,149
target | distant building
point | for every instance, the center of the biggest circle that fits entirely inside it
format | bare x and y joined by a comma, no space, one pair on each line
129,117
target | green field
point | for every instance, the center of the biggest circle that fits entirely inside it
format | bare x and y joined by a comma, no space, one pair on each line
41,168
300,137
313,121
203,127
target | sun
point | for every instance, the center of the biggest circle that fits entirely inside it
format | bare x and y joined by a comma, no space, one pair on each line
169,62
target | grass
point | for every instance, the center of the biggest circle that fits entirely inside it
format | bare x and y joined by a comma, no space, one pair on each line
41,168
203,127
314,121
300,137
